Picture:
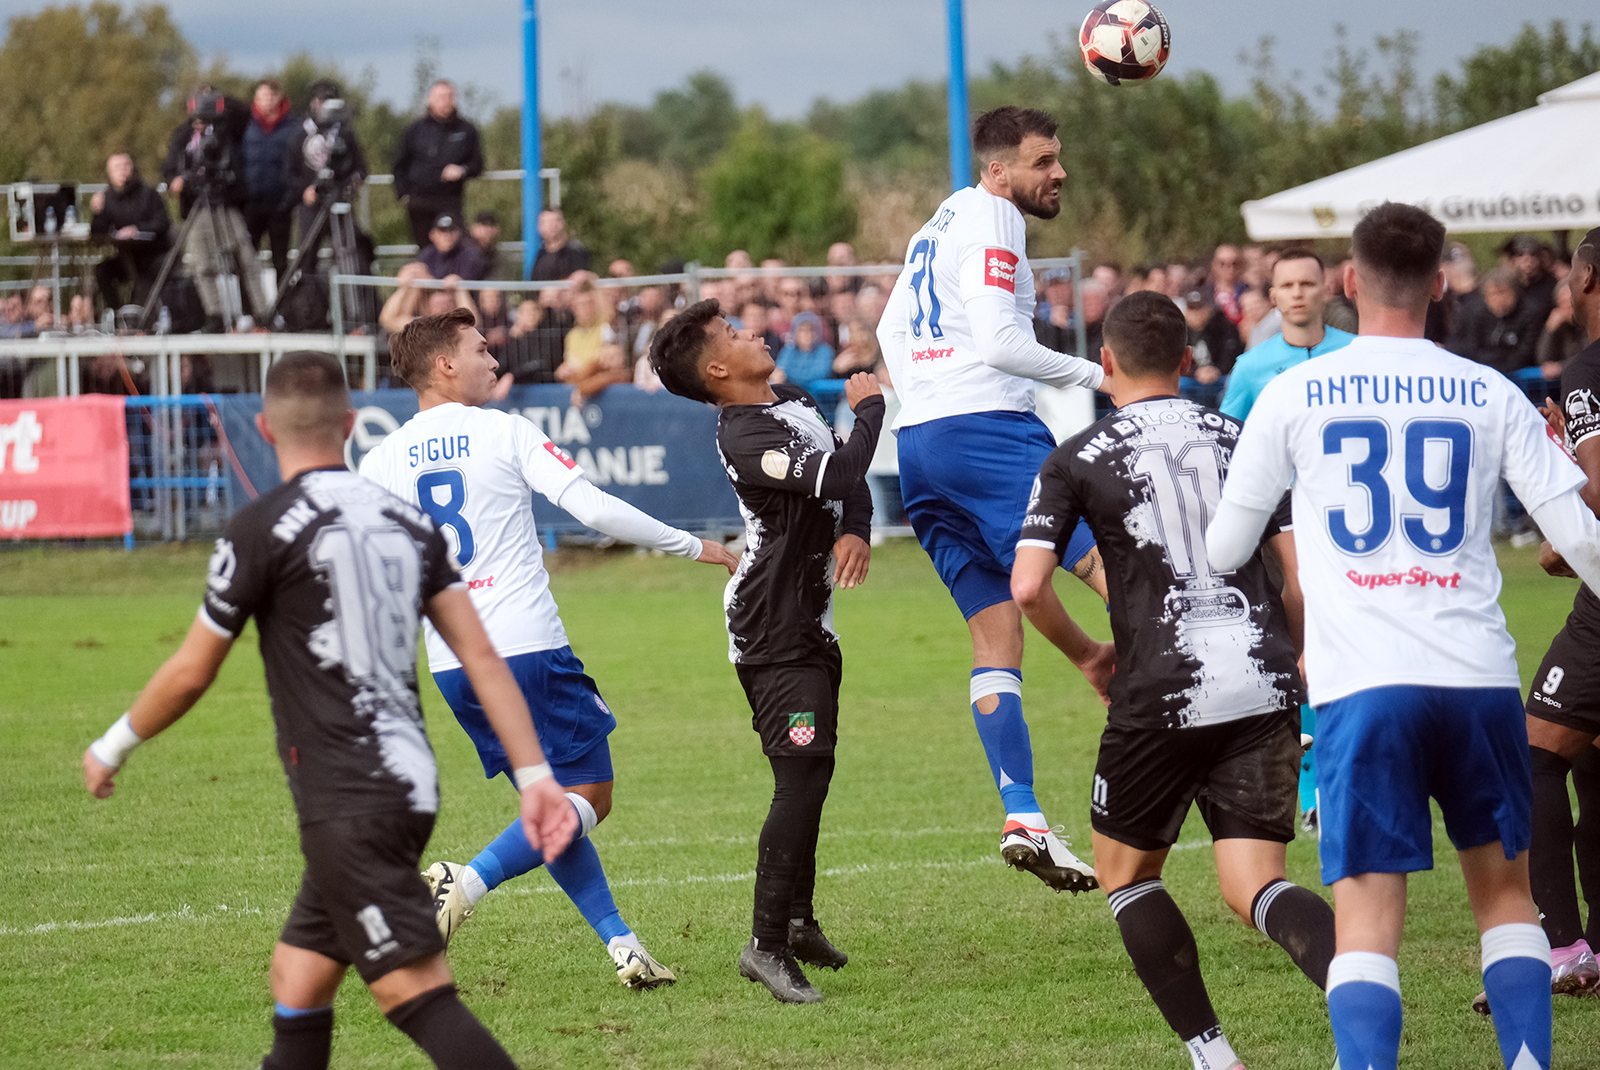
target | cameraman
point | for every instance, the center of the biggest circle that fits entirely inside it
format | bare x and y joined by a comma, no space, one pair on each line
206,156
325,141
438,153
266,151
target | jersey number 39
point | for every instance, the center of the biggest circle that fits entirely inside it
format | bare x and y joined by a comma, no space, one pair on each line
1453,437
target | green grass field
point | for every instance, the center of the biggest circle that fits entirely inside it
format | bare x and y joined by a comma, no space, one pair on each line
136,932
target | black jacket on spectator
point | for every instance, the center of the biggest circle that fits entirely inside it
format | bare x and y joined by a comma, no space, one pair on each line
428,146
135,205
231,125
464,260
1504,343
553,266
298,174
1217,343
1539,298
266,160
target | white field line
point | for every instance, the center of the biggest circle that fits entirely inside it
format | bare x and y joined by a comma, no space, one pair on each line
187,913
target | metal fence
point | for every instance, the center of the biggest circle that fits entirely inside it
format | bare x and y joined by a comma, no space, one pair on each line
177,485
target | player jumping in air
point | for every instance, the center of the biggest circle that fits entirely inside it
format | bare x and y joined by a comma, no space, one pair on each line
1205,707
336,572
958,339
474,470
1394,448
1563,704
808,517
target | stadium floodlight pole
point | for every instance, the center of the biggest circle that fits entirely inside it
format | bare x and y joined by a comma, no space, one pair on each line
960,140
532,157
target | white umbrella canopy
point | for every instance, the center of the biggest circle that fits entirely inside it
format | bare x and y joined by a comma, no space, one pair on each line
1538,169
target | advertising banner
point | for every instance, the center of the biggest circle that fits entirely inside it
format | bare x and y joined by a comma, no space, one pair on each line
64,468
654,451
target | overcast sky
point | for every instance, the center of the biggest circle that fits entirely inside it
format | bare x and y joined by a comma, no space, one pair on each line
783,56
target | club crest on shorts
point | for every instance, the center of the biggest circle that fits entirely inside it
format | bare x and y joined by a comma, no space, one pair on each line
802,728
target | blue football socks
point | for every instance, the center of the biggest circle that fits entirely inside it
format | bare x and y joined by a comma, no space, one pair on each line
1516,978
1004,735
577,871
1364,1009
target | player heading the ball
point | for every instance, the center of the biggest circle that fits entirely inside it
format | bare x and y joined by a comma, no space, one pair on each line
957,335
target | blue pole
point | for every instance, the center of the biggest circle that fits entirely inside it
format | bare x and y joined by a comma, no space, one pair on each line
960,140
532,157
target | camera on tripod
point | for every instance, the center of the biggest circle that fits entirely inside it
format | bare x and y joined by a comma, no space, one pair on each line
209,162
327,150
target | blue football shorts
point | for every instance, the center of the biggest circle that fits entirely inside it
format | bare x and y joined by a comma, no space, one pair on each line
966,481
1382,752
571,718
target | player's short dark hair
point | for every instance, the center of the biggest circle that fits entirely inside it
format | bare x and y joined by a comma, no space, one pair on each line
679,345
1000,132
1147,333
1397,249
1298,252
1588,249
411,352
306,395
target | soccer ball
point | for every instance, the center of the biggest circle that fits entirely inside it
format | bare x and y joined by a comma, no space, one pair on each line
1125,41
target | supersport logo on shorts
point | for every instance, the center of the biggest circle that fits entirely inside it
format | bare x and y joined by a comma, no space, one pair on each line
1417,576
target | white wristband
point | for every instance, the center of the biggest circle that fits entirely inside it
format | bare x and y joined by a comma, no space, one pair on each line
113,748
529,775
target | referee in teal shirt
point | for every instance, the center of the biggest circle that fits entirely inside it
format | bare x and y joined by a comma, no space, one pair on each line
1297,292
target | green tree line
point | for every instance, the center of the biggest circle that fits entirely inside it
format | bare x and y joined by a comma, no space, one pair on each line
1152,170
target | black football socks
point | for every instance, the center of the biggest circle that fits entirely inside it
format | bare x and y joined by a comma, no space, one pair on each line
1301,922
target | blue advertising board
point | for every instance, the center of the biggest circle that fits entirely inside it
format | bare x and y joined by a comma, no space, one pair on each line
655,451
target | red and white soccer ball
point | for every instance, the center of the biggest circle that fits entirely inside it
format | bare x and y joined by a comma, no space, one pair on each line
1125,41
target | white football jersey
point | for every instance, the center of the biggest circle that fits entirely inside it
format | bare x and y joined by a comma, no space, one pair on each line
1395,449
974,241
474,471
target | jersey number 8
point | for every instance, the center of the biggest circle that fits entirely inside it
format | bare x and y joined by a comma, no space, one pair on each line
1456,438
447,514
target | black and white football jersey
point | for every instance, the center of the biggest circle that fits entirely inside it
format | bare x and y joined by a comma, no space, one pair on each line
1194,647
336,570
779,603
1580,401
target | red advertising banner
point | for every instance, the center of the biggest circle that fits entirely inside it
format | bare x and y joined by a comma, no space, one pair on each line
64,468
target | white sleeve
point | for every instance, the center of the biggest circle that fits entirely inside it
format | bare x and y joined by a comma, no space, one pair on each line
1571,527
1261,467
599,510
1006,343
544,467
892,329
1536,465
1234,534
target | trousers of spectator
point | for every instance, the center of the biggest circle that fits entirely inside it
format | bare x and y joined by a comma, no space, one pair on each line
121,269
422,213
273,220
210,243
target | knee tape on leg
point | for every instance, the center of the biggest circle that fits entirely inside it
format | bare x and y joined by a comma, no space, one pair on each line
587,818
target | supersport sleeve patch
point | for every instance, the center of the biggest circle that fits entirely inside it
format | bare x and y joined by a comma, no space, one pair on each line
1000,269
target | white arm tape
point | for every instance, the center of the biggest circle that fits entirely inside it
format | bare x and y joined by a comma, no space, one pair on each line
528,775
1572,529
599,510
1234,534
112,749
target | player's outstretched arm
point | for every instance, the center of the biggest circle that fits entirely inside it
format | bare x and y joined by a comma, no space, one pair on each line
1234,534
1007,344
171,693
1573,531
548,820
1031,587
595,508
1294,603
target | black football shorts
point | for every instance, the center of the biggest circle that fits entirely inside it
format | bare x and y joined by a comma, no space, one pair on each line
1244,774
1566,689
362,901
794,705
